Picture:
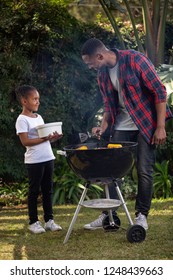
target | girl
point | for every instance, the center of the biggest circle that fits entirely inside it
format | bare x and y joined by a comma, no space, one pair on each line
39,159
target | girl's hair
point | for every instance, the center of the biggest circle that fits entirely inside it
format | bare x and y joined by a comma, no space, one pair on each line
24,91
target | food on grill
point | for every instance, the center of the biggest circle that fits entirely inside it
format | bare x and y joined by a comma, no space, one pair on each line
82,148
110,146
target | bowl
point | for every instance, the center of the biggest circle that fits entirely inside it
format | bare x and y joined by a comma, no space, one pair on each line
49,128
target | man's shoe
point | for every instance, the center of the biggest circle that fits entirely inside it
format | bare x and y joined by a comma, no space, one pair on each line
141,220
50,225
96,224
36,228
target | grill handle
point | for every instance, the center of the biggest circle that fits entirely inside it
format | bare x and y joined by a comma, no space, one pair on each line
61,153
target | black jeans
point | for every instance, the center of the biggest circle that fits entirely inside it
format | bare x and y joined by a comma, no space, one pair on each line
144,163
40,179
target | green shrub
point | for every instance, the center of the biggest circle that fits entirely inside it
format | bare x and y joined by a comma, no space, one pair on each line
68,187
162,180
129,188
13,194
165,152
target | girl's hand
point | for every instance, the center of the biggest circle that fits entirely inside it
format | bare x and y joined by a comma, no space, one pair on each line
53,137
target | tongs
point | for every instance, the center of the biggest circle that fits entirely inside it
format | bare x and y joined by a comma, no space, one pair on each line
101,141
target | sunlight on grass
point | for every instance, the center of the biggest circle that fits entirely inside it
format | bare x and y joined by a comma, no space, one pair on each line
161,213
17,243
24,253
7,251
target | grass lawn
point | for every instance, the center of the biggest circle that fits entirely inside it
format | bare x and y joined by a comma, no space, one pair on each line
17,243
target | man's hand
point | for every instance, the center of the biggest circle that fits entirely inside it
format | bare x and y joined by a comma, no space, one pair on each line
159,136
97,131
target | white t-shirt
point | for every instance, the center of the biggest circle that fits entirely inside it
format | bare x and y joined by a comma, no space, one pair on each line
37,153
123,121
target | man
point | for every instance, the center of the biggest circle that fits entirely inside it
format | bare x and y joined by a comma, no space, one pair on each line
135,107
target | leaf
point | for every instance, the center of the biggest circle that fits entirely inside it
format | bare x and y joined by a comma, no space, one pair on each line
97,187
162,183
71,192
55,196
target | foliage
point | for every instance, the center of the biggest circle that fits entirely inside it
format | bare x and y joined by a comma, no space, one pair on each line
68,187
162,180
165,151
13,194
129,188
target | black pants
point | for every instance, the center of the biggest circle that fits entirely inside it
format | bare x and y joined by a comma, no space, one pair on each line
145,164
40,179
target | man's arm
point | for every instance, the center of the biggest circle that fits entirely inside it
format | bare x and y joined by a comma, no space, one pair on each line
159,136
152,82
98,131
105,121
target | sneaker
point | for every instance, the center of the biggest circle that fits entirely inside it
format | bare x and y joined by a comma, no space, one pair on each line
141,220
96,224
50,225
36,227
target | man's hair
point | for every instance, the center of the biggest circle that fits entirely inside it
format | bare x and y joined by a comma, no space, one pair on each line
91,46
24,91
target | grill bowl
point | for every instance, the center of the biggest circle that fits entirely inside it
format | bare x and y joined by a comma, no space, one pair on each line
100,163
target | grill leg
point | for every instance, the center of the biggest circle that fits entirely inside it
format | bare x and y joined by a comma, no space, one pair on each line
123,203
76,213
111,219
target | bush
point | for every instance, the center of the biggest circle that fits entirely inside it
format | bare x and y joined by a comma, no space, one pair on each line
68,187
129,188
13,194
162,180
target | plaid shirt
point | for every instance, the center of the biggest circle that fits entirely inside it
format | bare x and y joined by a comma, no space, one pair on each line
141,90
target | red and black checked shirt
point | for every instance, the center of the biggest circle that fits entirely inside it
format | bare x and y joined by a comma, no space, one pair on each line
141,90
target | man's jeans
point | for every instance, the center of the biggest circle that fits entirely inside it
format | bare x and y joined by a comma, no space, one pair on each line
144,163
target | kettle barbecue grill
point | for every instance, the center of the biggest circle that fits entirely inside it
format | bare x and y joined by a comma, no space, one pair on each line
100,164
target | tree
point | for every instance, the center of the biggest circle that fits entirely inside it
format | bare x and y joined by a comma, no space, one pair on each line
154,15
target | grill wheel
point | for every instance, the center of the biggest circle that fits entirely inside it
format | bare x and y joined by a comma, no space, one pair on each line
111,227
136,234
